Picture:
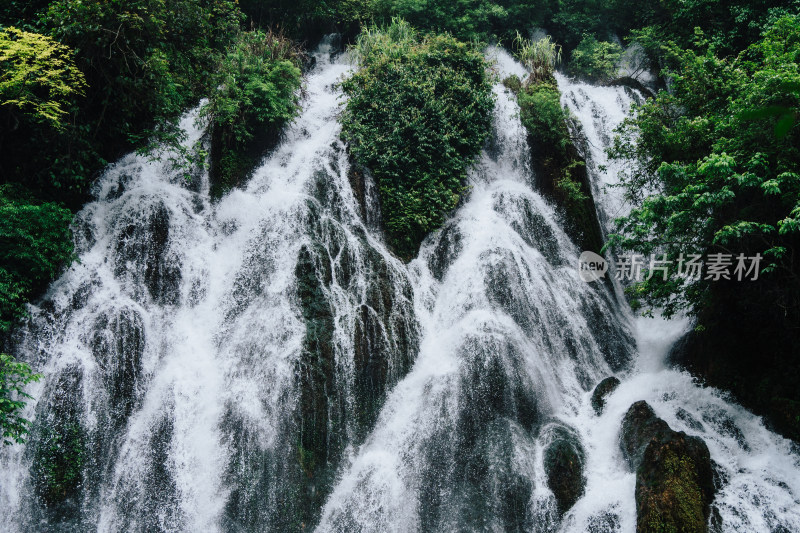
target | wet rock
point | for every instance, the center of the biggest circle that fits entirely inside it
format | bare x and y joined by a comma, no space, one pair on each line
145,247
690,421
118,346
563,462
448,246
724,424
316,366
632,83
640,426
674,477
618,346
59,446
603,389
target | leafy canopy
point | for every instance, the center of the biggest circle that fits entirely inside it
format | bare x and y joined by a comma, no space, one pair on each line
38,76
717,165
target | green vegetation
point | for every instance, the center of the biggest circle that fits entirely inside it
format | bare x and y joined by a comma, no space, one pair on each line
35,242
466,19
595,60
259,82
561,173
38,77
434,115
719,155
309,19
541,57
14,377
717,172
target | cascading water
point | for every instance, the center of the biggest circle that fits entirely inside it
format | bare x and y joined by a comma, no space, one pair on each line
209,364
757,473
264,364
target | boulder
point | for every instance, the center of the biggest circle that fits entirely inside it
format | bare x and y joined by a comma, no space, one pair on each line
674,477
563,463
603,389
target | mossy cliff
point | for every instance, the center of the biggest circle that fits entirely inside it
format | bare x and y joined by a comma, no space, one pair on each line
559,168
339,402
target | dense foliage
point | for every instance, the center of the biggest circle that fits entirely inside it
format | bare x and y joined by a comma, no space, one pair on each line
258,84
594,60
718,164
35,242
718,172
418,113
309,19
14,377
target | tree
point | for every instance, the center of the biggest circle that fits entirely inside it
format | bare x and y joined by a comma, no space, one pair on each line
718,166
38,77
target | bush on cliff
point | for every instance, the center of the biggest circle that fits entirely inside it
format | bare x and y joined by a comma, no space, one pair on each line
418,113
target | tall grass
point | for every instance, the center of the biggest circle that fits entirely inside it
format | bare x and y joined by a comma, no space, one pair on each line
393,41
541,56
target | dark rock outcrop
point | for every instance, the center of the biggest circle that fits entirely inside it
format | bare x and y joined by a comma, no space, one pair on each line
749,345
563,462
603,389
674,476
632,83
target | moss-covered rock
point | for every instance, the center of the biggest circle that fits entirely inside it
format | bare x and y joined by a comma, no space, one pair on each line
559,168
640,426
674,476
603,389
258,81
60,450
564,459
674,486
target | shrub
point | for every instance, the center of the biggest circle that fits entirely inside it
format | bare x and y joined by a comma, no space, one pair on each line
540,57
544,118
513,83
258,92
418,113
13,378
595,60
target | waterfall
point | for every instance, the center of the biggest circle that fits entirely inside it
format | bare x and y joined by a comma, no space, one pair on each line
264,363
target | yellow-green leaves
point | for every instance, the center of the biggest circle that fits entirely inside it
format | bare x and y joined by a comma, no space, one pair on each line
38,76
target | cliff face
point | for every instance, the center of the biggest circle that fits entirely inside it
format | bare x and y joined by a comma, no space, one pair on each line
750,346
